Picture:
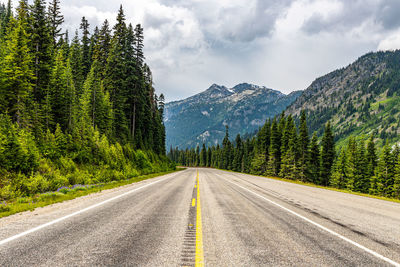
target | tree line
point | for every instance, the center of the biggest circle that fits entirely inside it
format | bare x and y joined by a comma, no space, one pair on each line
83,99
283,149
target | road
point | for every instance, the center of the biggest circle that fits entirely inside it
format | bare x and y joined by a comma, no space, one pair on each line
220,219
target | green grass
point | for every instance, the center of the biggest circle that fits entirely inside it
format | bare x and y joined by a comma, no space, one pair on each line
322,187
41,200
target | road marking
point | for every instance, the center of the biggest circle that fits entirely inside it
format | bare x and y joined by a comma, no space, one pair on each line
322,227
193,202
199,260
2,242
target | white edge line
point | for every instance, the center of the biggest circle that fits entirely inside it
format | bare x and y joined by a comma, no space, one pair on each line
7,240
322,227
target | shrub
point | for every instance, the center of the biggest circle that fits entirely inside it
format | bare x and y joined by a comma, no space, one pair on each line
37,184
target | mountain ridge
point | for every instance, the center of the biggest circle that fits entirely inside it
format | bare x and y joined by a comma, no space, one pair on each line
244,108
359,100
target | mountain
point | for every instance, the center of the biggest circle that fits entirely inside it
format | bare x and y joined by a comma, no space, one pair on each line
359,100
202,118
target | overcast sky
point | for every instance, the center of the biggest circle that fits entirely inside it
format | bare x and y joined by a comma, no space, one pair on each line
281,44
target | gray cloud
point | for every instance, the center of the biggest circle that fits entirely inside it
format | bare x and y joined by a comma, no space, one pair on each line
282,44
383,13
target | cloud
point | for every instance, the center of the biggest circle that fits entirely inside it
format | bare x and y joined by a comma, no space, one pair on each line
282,44
382,14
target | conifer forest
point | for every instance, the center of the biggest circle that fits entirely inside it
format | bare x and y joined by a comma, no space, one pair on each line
281,149
75,108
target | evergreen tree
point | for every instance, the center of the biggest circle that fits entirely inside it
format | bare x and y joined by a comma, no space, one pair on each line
361,183
203,156
56,19
339,176
303,148
85,46
274,160
8,14
327,154
289,167
115,81
371,157
351,164
238,154
94,39
139,45
314,161
103,46
396,182
16,73
76,65
209,157
41,44
226,150
385,172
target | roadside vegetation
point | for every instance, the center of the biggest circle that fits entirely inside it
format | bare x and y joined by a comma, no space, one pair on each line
81,112
64,193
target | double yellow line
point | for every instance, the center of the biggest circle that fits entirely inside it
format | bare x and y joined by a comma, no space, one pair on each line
199,260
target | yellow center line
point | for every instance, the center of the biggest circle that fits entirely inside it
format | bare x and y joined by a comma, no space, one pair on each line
193,202
199,232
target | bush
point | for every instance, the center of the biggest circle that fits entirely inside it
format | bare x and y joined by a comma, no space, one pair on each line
4,207
67,165
37,184
142,161
18,151
57,180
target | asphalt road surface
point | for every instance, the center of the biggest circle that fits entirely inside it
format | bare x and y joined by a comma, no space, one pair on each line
220,219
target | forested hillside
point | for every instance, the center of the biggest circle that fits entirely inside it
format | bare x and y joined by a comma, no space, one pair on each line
360,100
74,111
282,149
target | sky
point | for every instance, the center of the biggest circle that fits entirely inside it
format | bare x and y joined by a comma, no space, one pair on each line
281,44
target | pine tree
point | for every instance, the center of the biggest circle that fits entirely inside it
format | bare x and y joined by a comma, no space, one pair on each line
16,73
226,150
304,141
41,44
289,166
76,65
339,176
115,82
361,183
396,182
203,156
351,164
371,157
274,160
55,20
209,157
94,39
6,19
327,154
238,154
103,46
385,172
139,45
314,160
99,106
85,46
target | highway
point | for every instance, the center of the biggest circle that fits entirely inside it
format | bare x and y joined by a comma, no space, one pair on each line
206,217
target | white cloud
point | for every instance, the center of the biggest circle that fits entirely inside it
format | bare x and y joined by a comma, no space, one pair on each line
283,44
391,42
